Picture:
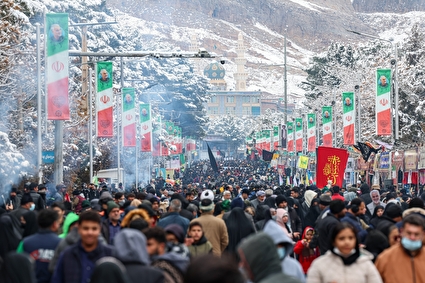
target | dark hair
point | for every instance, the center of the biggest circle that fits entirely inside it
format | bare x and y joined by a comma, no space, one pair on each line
155,233
295,190
414,219
357,201
47,217
118,195
342,226
336,206
131,195
59,205
335,189
89,215
416,202
138,224
195,223
218,270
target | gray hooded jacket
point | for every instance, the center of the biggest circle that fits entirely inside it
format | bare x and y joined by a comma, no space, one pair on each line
260,254
289,265
131,251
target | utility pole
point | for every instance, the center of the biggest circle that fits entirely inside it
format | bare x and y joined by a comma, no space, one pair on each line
285,80
84,68
39,106
89,109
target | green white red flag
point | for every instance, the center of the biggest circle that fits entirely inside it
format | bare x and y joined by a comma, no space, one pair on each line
104,100
299,134
128,117
311,132
383,102
290,136
349,117
57,47
146,127
327,125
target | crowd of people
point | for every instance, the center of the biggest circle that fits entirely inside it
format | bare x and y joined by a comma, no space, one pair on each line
237,225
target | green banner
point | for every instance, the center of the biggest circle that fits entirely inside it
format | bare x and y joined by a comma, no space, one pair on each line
347,102
128,97
311,120
326,114
104,76
384,81
290,128
298,124
57,33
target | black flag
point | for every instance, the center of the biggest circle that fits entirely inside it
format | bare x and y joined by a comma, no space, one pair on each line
267,155
212,159
366,149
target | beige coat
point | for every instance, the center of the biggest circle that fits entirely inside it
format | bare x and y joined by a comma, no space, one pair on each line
215,231
330,268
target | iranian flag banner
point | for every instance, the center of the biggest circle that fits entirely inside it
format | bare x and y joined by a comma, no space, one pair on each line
311,132
290,136
383,102
190,144
349,117
327,125
299,134
128,117
275,137
146,128
268,140
104,100
57,47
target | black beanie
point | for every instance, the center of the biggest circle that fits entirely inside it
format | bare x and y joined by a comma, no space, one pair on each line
280,199
393,211
26,198
336,206
416,202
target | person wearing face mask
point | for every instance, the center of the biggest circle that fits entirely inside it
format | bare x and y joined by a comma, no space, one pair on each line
285,248
27,203
260,261
344,262
403,262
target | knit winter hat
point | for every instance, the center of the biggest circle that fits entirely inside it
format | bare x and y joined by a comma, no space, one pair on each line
325,200
111,205
280,199
26,198
237,202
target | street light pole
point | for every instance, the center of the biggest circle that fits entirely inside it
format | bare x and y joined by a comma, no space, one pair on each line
39,106
285,80
396,98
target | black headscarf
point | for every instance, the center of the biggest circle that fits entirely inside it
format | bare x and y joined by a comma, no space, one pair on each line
375,219
109,270
17,268
31,225
270,202
238,227
376,242
314,212
10,234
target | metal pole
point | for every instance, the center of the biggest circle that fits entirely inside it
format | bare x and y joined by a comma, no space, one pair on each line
333,118
58,165
89,109
396,94
285,79
39,106
359,113
119,120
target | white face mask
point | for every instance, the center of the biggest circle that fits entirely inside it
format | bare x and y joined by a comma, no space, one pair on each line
338,252
32,206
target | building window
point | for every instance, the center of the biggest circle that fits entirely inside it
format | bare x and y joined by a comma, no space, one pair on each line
246,99
213,110
255,99
246,110
213,99
230,99
230,110
255,110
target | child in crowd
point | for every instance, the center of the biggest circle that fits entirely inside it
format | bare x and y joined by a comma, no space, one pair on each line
306,255
197,243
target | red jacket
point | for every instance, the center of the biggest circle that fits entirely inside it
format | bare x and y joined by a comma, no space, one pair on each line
305,255
338,196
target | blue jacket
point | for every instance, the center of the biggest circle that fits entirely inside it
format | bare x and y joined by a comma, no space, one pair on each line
72,261
354,221
41,247
174,218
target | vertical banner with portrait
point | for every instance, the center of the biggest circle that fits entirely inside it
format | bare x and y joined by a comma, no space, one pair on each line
421,163
104,100
349,117
128,117
267,139
284,136
275,137
383,102
299,134
290,136
146,127
311,132
57,47
327,125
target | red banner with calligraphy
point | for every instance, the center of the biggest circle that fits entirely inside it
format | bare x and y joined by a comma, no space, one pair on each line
331,163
